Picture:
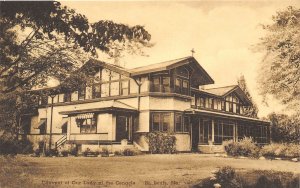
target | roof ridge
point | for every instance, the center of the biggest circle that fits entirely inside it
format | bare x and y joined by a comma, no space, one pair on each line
221,87
161,62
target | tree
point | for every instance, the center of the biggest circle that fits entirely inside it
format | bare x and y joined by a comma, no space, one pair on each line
249,111
280,69
48,22
285,128
43,39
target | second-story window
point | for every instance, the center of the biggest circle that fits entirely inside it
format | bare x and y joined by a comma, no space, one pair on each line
124,87
156,84
67,97
96,91
178,85
81,93
44,99
165,84
185,87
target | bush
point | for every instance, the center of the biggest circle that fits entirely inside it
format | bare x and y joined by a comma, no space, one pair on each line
161,142
105,152
65,153
130,152
13,146
86,152
226,176
74,150
280,150
51,152
118,153
245,147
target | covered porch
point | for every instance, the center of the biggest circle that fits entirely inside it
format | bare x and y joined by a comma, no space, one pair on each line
108,124
210,128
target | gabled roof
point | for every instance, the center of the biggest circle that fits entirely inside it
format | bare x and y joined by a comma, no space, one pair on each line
221,91
110,66
200,75
226,90
156,67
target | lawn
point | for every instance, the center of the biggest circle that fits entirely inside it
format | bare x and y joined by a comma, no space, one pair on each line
181,170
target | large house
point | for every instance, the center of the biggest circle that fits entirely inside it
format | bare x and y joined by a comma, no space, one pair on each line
123,105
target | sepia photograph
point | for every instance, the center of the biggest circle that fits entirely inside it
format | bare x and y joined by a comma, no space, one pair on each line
150,94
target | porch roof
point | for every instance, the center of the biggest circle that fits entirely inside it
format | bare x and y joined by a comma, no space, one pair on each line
104,106
224,115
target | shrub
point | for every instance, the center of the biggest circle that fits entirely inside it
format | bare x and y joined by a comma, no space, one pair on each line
245,147
104,152
13,146
51,152
226,176
130,152
292,150
86,152
65,153
161,142
280,150
74,150
118,153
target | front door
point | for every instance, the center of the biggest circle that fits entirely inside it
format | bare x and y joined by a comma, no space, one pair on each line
121,128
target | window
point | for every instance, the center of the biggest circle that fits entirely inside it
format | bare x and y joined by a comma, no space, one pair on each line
202,102
67,97
43,125
182,125
44,100
165,84
124,88
96,91
218,132
178,85
166,122
87,125
185,89
178,122
155,122
161,121
193,101
81,93
238,109
227,130
223,105
186,124
114,88
210,103
105,90
156,84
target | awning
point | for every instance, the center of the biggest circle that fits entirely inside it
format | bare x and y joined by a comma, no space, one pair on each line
62,123
101,107
85,116
41,123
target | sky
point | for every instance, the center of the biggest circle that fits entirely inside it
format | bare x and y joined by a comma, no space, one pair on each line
222,33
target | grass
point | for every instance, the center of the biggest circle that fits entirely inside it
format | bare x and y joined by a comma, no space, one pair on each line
184,170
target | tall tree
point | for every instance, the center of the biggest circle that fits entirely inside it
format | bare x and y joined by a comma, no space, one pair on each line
44,39
280,69
250,111
48,22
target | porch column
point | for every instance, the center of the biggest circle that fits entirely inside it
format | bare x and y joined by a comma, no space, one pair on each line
212,130
235,132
